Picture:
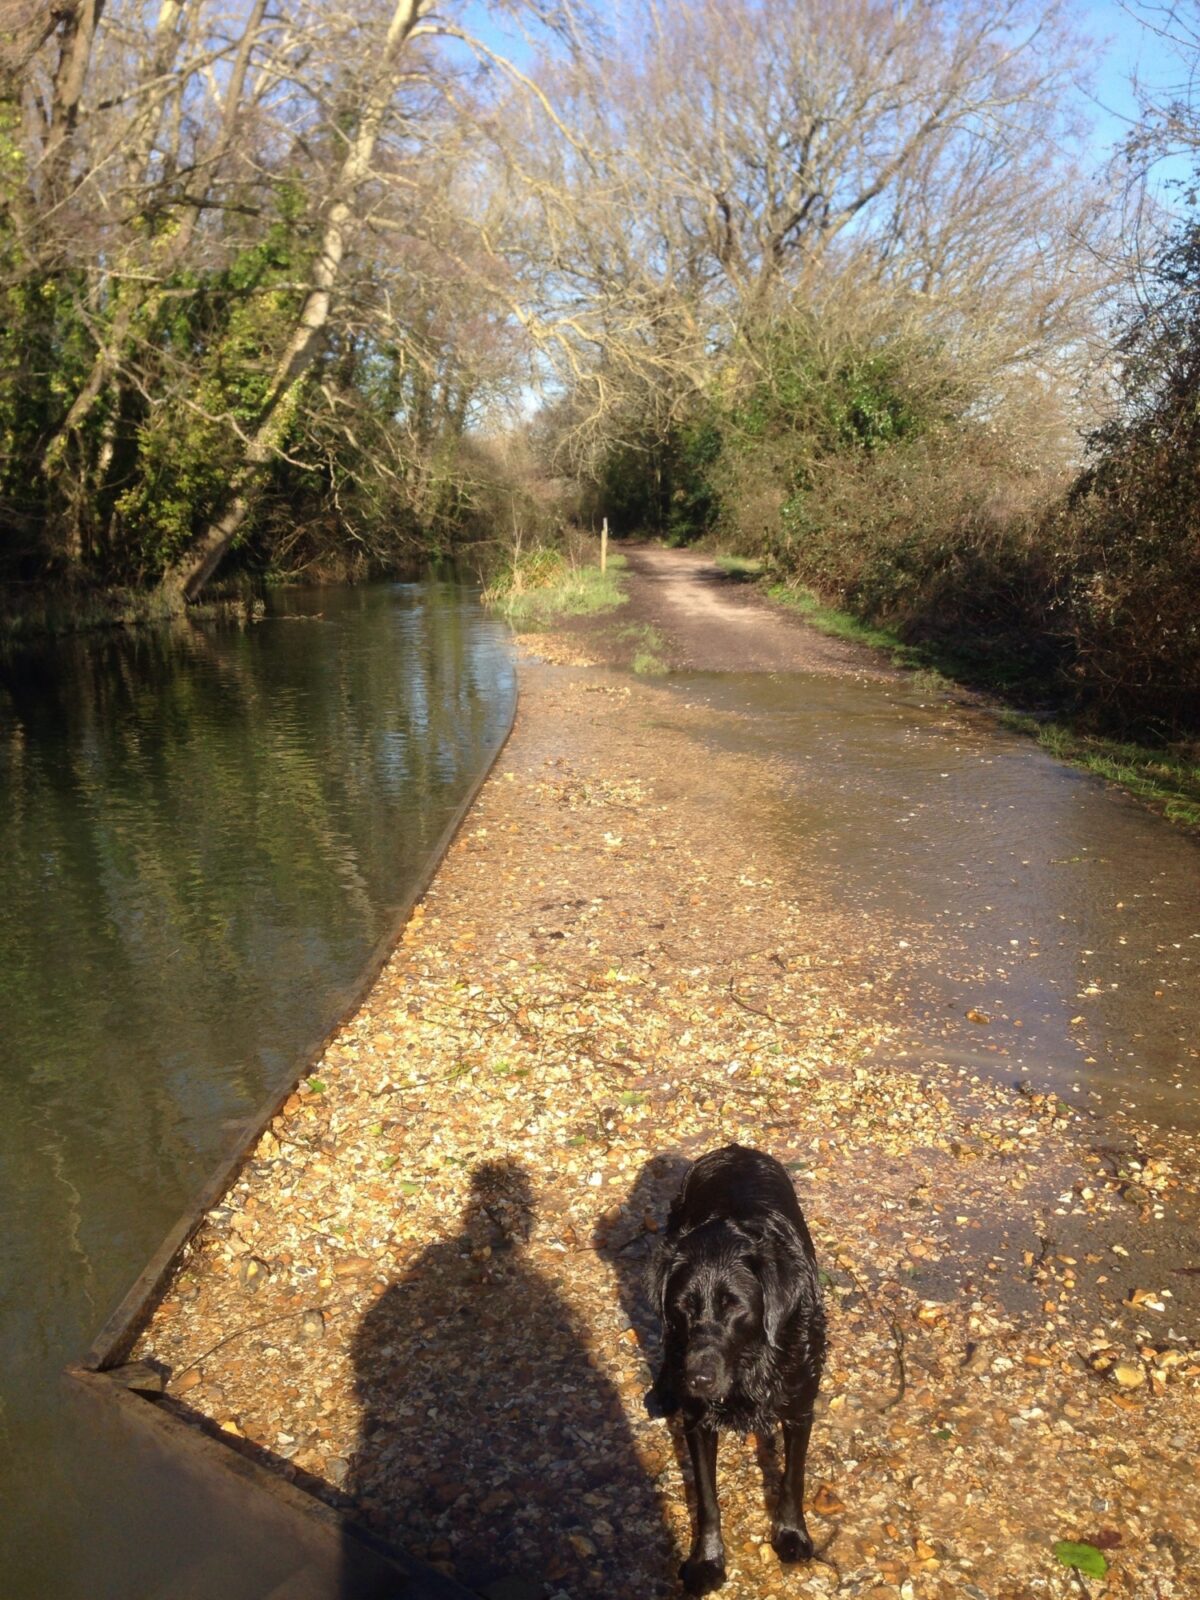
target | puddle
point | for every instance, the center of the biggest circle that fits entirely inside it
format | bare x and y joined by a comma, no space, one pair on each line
1051,926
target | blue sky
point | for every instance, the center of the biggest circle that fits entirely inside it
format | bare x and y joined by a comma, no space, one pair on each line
1125,47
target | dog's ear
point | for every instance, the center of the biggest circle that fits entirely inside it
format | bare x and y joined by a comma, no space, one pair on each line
779,1261
663,1260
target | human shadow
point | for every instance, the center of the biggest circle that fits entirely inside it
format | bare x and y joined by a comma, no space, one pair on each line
491,1446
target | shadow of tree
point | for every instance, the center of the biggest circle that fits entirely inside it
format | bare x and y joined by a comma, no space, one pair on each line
491,1445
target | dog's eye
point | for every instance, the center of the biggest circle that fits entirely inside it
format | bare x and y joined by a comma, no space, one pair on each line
726,1301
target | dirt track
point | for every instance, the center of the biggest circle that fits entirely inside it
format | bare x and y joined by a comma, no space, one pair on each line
714,624
696,618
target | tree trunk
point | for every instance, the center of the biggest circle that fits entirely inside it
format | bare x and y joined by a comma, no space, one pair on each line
184,579
74,54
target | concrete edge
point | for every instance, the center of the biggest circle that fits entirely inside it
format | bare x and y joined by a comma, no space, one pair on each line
318,1534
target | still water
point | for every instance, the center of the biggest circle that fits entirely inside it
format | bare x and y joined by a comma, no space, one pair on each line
204,831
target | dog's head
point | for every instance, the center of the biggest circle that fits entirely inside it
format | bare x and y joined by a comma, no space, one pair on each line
714,1287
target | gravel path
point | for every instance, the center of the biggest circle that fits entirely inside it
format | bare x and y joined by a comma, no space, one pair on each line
423,1297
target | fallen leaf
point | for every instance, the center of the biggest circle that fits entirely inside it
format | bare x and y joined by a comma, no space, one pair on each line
826,1503
1083,1557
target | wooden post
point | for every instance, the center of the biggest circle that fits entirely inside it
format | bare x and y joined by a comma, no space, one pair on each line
604,544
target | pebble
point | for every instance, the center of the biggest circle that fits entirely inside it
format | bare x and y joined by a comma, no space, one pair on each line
312,1326
352,1266
1127,1375
252,1273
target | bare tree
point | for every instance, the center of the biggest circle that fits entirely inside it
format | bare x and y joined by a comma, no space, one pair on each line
1169,112
188,574
411,20
189,202
732,159
621,220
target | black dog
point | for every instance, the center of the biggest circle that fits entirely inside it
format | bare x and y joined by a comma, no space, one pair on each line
743,1335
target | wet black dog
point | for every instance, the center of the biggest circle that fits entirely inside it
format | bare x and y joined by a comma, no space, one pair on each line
735,1278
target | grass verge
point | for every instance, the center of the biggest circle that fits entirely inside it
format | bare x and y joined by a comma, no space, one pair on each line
744,568
1167,778
649,649
540,586
841,625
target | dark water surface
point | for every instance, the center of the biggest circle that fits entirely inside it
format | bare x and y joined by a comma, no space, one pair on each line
1058,910
203,834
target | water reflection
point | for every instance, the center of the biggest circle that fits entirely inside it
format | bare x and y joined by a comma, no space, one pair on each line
203,834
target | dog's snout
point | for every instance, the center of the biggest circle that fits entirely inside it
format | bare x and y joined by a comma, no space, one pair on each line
702,1372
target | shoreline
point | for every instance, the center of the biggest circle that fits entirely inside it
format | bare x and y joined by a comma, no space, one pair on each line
605,978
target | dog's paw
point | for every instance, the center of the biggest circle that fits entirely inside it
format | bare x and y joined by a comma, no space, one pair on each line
702,1577
792,1544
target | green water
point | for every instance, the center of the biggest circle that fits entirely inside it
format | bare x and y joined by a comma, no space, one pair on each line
204,831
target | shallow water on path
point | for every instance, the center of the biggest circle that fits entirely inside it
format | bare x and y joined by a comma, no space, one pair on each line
1058,913
204,832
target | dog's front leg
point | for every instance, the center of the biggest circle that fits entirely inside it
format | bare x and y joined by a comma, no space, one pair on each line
704,1569
663,1397
791,1540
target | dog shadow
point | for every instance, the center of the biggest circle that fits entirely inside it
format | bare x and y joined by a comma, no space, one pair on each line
491,1446
627,1244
